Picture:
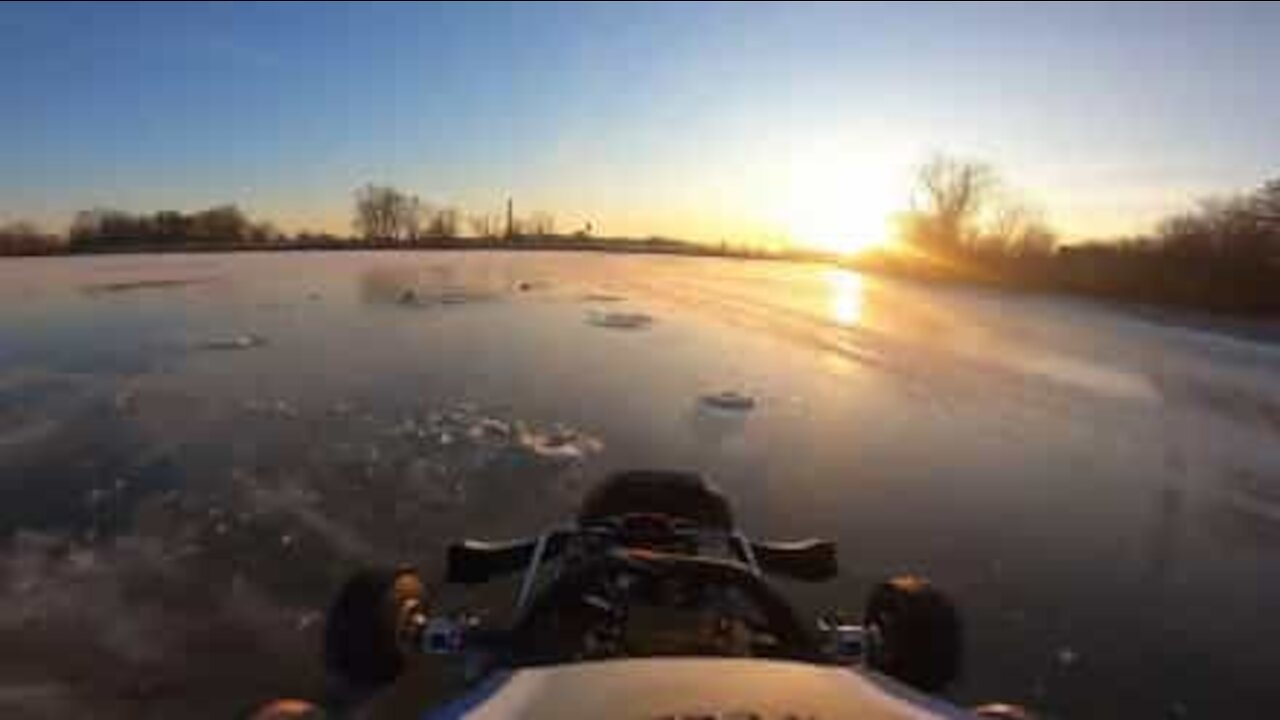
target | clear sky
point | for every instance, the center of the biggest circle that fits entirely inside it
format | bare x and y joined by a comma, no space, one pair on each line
726,121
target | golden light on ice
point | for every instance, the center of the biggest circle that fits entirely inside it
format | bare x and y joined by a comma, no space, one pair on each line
846,299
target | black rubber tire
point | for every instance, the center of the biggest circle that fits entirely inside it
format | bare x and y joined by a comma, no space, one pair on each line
360,635
916,634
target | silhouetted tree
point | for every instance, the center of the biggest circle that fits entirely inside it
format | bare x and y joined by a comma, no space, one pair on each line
540,224
222,223
1266,206
1016,229
1240,230
517,228
445,223
24,238
265,232
87,225
484,225
384,213
417,218
172,225
948,197
106,228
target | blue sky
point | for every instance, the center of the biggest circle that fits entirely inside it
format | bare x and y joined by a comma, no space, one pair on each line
735,121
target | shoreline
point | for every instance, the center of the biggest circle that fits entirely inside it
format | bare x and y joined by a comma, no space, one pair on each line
618,245
1261,327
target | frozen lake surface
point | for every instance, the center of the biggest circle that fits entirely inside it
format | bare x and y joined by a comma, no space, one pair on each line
194,450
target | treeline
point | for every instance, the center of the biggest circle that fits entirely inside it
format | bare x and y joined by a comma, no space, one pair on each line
24,238
102,230
115,229
382,216
964,224
387,214
1222,256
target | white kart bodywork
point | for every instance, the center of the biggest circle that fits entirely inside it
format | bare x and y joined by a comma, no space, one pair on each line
695,688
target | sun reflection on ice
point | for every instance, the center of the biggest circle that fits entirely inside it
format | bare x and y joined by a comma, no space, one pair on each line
846,297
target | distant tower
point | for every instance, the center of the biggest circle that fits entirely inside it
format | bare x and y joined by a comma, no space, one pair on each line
511,227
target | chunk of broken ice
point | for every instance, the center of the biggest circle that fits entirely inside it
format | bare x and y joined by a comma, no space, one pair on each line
488,428
235,342
620,320
560,444
729,400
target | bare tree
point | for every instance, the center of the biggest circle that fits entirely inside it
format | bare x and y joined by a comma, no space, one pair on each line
88,224
484,225
223,223
445,223
415,217
219,224
265,232
949,196
1016,229
102,225
517,228
20,229
540,224
384,213
172,225
1266,206
1185,235
1236,229
21,238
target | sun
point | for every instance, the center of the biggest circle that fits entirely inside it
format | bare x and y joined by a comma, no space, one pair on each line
840,210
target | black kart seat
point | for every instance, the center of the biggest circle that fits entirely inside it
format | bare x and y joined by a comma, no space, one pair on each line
683,495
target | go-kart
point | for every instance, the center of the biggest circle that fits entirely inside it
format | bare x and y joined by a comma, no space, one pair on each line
653,604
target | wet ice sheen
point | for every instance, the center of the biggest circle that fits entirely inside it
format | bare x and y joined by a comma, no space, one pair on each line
986,427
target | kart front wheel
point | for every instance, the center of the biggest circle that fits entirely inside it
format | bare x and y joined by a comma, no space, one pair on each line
914,633
362,629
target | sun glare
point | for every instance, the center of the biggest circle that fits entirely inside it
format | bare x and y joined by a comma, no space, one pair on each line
827,207
846,296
